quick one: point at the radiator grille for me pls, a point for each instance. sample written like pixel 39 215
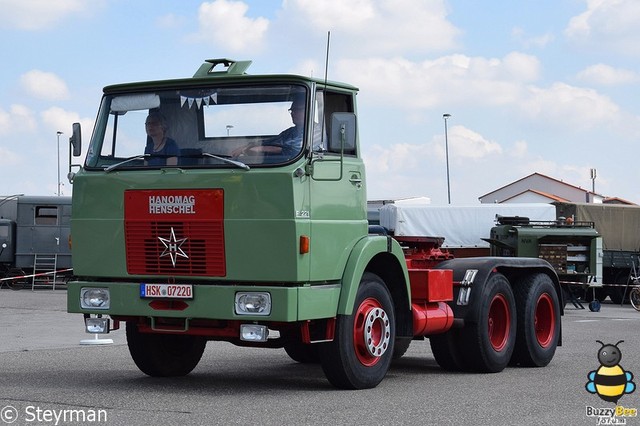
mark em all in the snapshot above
pixel 191 245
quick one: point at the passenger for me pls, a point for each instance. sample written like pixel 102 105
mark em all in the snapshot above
pixel 163 150
pixel 288 143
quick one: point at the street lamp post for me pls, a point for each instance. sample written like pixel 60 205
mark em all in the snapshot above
pixel 446 153
pixel 229 127
pixel 58 133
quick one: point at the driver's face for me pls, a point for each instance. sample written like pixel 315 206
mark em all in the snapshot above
pixel 297 114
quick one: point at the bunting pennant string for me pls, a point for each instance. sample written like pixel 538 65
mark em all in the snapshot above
pixel 207 100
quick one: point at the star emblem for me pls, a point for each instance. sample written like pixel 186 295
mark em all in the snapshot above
pixel 172 247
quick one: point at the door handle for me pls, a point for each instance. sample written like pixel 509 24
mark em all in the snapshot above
pixel 356 180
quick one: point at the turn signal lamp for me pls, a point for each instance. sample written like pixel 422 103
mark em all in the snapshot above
pixel 304 244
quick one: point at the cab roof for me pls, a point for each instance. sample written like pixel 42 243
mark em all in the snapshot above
pixel 227 71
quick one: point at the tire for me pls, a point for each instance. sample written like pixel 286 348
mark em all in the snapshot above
pixel 297 349
pixel 303 353
pixel 17 283
pixel 446 350
pixel 538 318
pixel 634 297
pixel 488 338
pixel 164 355
pixel 362 349
pixel 400 347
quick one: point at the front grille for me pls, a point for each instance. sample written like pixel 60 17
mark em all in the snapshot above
pixel 190 243
pixel 203 247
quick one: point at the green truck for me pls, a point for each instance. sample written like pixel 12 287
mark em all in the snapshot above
pixel 232 207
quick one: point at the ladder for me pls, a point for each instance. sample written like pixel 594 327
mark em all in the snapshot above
pixel 44 271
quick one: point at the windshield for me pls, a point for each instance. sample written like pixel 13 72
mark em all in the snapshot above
pixel 208 127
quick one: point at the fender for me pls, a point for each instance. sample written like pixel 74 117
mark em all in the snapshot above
pixel 511 267
pixel 362 254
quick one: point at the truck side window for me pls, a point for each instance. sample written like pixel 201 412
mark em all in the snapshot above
pixel 46 215
pixel 336 102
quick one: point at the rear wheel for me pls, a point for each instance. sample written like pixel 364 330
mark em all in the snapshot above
pixel 488 338
pixel 538 321
pixel 164 355
pixel 362 349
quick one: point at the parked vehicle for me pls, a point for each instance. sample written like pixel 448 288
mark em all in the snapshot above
pixel 618 226
pixel 260 241
pixel 34 240
pixel 573 248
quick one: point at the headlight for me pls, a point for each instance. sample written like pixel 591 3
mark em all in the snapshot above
pixel 253 303
pixel 95 298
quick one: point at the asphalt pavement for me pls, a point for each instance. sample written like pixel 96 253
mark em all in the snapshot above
pixel 45 374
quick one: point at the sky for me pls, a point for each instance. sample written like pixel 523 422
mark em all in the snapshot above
pixel 546 86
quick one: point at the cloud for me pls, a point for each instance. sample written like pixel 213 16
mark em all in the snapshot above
pixel 33 15
pixel 605 75
pixel 18 119
pixel 58 119
pixel 460 80
pixel 528 41
pixel 393 170
pixel 610 25
pixel 520 149
pixel 224 22
pixel 467 144
pixel 576 107
pixel 445 80
pixel 379 26
pixel 44 85
pixel 8 157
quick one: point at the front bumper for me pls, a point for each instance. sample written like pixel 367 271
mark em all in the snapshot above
pixel 213 301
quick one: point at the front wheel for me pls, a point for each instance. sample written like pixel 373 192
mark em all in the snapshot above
pixel 362 349
pixel 634 297
pixel 538 321
pixel 164 355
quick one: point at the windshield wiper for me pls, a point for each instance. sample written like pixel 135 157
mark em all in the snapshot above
pixel 227 160
pixel 128 160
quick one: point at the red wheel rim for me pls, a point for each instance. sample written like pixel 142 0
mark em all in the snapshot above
pixel 371 332
pixel 499 322
pixel 544 320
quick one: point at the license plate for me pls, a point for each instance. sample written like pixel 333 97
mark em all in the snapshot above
pixel 167 291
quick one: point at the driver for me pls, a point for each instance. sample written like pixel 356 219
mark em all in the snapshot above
pixel 288 143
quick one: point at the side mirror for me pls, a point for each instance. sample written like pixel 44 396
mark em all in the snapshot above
pixel 343 132
pixel 76 140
